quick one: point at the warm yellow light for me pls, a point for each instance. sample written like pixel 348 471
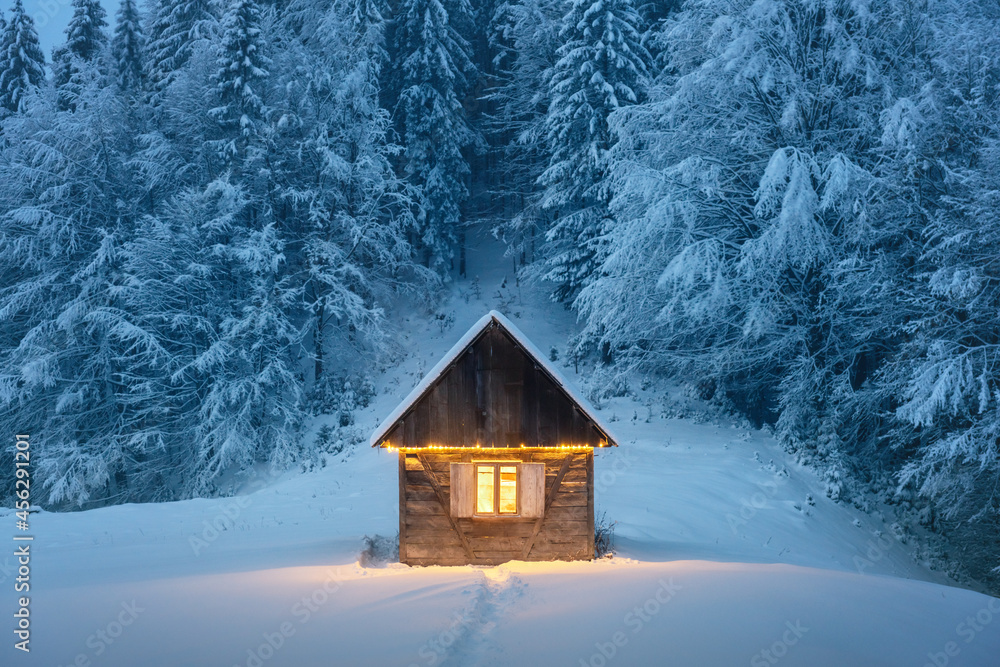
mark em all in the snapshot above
pixel 425 448
pixel 435 447
pixel 484 489
pixel 508 490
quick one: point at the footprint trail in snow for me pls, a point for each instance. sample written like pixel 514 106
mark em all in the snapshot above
pixel 472 645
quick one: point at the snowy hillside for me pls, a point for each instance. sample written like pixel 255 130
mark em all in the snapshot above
pixel 729 553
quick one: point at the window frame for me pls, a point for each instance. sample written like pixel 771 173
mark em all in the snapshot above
pixel 496 465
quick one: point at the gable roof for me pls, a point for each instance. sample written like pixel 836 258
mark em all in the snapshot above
pixel 464 344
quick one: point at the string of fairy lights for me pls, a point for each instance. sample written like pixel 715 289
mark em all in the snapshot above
pixel 431 448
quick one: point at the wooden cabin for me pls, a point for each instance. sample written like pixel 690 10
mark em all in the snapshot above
pixel 496 456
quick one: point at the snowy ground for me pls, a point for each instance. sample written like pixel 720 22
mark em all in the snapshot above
pixel 723 560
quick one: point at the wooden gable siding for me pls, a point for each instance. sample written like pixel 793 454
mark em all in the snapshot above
pixel 428 535
pixel 494 395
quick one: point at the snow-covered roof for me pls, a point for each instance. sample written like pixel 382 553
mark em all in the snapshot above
pixel 470 336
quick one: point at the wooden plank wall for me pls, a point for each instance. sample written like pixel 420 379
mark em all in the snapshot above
pixel 428 535
pixel 494 395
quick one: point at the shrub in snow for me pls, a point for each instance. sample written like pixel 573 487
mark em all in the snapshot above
pixel 379 550
pixel 607 382
pixel 330 440
pixel 604 536
pixel 445 321
pixel 341 395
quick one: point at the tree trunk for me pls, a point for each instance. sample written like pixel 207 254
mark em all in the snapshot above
pixel 318 344
pixel 461 252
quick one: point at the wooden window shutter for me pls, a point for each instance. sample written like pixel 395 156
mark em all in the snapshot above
pixel 463 489
pixel 532 490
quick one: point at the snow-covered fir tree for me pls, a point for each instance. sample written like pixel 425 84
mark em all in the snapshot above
pixel 434 72
pixel 22 63
pixel 67 342
pixel 601 67
pixel 367 22
pixel 943 143
pixel 175 29
pixel 86 34
pixel 78 62
pixel 240 77
pixel 525 37
pixel 338 190
pixel 251 406
pixel 128 47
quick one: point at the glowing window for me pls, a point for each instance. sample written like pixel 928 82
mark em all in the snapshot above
pixel 508 490
pixel 496 489
pixel 484 489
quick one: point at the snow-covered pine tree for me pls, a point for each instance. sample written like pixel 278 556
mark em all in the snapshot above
pixel 127 48
pixel 207 283
pixel 747 185
pixel 602 67
pixel 252 402
pixel 22 63
pixel 337 192
pixel 240 78
pixel 77 62
pixel 367 20
pixel 85 34
pixel 943 143
pixel 176 28
pixel 67 345
pixel 169 295
pixel 434 72
pixel 525 37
